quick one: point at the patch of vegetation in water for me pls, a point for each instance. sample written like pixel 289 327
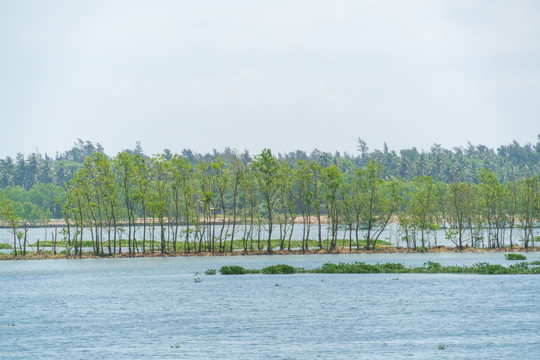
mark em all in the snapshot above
pixel 232 270
pixel 429 267
pixel 281 269
pixel 512 256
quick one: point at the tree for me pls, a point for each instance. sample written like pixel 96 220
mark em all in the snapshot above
pixel 142 193
pixel 182 192
pixel 528 207
pixel 492 207
pixel 9 215
pixel 460 212
pixel 238 170
pixel 158 198
pixel 423 206
pixel 125 165
pixel 107 191
pixel 303 178
pixel 316 180
pixel 370 184
pixel 362 147
pixel 332 190
pixel 221 177
pixel 266 168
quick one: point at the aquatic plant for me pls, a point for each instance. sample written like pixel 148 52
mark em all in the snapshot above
pixel 513 256
pixel 279 269
pixel 232 270
pixel 429 267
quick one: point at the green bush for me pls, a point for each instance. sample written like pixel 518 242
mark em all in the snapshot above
pixel 5 246
pixel 359 268
pixel 279 269
pixel 210 272
pixel 512 256
pixel 433 267
pixel 232 270
pixel 429 267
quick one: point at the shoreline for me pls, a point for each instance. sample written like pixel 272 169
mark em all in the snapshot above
pixel 337 251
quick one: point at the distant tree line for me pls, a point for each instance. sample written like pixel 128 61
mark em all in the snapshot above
pixel 478 196
pixel 508 162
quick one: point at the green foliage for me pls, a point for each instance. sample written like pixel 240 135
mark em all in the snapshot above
pixel 279 269
pixel 210 272
pixel 5 246
pixel 232 270
pixel 388 268
pixel 512 256
pixel 359 268
pixel 215 193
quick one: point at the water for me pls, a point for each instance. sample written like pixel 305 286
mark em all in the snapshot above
pixel 157 308
pixel 391 234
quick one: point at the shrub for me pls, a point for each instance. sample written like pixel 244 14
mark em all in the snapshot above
pixel 279 269
pixel 210 272
pixel 433 267
pixel 512 256
pixel 232 270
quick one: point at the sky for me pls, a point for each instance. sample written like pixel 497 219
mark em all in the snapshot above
pixel 281 74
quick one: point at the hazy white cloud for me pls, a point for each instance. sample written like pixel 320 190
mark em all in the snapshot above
pixel 279 74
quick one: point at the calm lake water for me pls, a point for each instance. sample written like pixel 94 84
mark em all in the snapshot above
pixel 159 308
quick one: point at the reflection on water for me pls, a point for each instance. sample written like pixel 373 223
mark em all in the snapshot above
pixel 154 308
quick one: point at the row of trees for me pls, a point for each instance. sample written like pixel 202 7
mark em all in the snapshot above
pixel 508 162
pixel 209 205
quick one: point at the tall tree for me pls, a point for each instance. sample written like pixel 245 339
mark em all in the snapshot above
pixel 460 212
pixel 125 165
pixel 305 197
pixel 332 190
pixel 424 206
pixel 528 207
pixel 9 215
pixel 266 168
pixel 158 199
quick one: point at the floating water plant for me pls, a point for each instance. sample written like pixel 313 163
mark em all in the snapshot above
pixel 232 270
pixel 429 267
pixel 279 269
pixel 513 256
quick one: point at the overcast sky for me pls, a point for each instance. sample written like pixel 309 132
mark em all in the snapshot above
pixel 281 74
